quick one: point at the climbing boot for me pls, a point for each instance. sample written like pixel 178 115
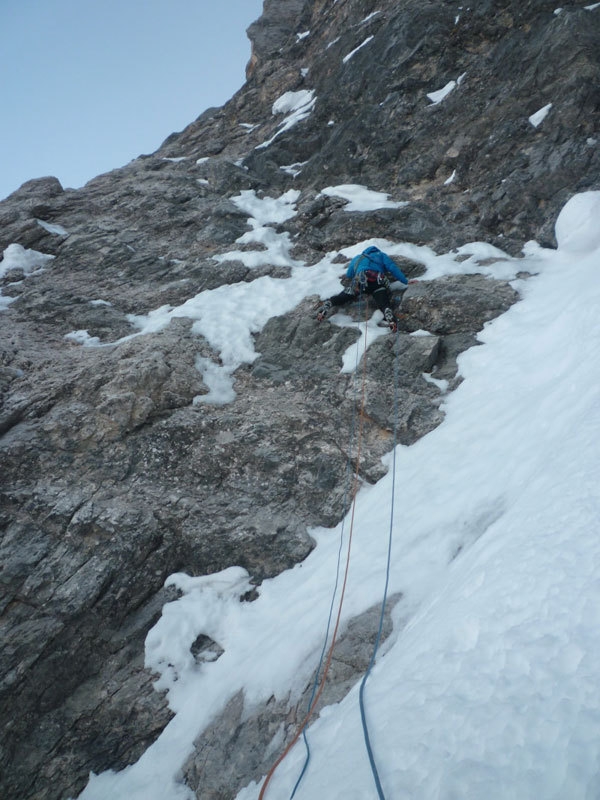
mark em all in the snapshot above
pixel 324 310
pixel 389 320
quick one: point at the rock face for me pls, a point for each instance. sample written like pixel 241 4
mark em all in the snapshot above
pixel 113 476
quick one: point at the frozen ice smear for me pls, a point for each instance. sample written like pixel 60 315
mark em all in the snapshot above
pixel 488 686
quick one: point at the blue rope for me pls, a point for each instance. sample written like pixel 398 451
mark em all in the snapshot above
pixel 337 580
pixel 361 693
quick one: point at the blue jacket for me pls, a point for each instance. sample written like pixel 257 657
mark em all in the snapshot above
pixel 374 258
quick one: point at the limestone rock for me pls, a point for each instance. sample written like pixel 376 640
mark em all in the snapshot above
pixel 114 472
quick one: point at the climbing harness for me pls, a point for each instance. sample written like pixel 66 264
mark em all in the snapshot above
pixel 319 682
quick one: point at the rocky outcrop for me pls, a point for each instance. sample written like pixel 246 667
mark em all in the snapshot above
pixel 115 472
pixel 238 746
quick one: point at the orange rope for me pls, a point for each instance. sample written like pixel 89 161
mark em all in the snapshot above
pixel 318 694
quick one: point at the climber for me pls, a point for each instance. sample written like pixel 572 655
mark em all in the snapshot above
pixel 369 272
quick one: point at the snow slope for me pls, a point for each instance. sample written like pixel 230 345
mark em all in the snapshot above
pixel 489 685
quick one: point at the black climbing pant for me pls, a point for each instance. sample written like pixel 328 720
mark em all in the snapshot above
pixel 380 294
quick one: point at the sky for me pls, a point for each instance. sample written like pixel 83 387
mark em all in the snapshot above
pixel 88 85
pixel 488 685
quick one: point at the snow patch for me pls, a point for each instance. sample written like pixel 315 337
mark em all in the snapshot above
pixel 450 180
pixel 18 257
pixel 369 332
pixel 294 169
pixel 360 198
pixel 356 49
pixel 52 227
pixel 218 380
pixel 440 94
pixel 297 106
pixel 370 17
pixel 577 227
pixel 539 116
pixel 293 101
pixel 83 337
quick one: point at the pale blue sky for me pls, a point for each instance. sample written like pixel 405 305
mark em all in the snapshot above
pixel 87 85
